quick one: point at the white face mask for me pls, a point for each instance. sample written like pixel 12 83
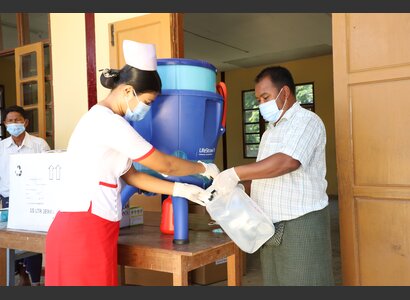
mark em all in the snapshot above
pixel 15 129
pixel 270 111
pixel 139 111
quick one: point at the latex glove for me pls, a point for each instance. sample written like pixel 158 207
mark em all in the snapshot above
pixel 225 182
pixel 191 192
pixel 211 170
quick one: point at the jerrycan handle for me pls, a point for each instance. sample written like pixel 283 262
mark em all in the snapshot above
pixel 221 89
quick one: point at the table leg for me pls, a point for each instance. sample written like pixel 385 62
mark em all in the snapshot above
pixel 121 275
pixel 3 265
pixel 180 278
pixel 11 258
pixel 234 268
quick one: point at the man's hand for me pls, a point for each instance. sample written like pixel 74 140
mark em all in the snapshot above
pixel 225 182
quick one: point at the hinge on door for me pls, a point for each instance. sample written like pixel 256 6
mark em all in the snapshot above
pixel 112 35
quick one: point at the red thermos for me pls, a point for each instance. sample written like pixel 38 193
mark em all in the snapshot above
pixel 167 217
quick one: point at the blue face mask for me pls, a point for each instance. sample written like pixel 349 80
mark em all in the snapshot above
pixel 15 129
pixel 270 111
pixel 139 111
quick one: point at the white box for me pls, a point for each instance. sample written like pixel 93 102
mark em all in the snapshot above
pixel 36 180
pixel 136 215
pixel 125 219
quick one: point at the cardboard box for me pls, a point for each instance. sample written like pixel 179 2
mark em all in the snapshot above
pixel 136 215
pixel 214 272
pixel 36 180
pixel 125 219
pixel 134 276
pixel 148 203
pixel 35 183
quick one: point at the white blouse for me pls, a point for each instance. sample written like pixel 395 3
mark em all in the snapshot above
pixel 102 147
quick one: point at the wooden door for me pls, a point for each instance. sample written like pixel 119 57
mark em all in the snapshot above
pixel 371 57
pixel 162 29
pixel 30 86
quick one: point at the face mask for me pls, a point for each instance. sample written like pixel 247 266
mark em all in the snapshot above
pixel 15 129
pixel 270 111
pixel 139 111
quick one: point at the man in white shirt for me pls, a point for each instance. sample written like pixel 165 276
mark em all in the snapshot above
pixel 288 183
pixel 19 141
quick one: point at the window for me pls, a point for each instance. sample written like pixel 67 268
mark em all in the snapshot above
pixel 253 123
pixel 305 95
pixel 18 30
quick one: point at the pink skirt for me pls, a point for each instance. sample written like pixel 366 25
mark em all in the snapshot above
pixel 81 250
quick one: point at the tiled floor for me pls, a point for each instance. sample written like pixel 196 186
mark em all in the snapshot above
pixel 253 276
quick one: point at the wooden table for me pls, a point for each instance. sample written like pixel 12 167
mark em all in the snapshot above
pixel 144 247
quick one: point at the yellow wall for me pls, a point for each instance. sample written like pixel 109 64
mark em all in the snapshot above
pixel 70 67
pixel 318 70
pixel 69 73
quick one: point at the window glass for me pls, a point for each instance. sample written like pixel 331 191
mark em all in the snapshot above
pixel 30 93
pixel 9 35
pixel 37 27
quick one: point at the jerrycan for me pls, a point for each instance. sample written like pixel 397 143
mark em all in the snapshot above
pixel 167 217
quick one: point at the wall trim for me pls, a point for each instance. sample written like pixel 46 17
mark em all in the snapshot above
pixel 91 60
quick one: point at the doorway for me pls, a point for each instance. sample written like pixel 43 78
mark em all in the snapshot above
pixel 239 45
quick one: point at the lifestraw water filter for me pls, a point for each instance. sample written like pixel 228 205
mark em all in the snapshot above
pixel 241 218
pixel 186 120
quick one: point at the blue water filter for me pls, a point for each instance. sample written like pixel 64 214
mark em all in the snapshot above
pixel 180 207
pixel 185 120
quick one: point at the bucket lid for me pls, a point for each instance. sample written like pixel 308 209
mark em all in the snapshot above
pixel 185 61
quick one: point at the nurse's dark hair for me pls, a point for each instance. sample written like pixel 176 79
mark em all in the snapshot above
pixel 141 81
pixel 279 76
pixel 14 108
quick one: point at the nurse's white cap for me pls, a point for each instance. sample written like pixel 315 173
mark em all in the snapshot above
pixel 139 55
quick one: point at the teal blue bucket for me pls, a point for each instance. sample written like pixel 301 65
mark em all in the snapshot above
pixel 187 74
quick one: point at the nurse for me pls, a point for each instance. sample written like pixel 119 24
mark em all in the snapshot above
pixel 81 244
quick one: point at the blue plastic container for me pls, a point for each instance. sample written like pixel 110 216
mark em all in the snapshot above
pixel 187 74
pixel 185 120
pixel 184 123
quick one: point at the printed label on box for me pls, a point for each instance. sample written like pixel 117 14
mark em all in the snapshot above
pixel 136 215
pixel 36 180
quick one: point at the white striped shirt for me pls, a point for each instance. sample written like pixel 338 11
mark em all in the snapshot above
pixel 30 144
pixel 300 134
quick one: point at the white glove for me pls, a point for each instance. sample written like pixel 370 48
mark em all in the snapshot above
pixel 211 170
pixel 225 182
pixel 191 192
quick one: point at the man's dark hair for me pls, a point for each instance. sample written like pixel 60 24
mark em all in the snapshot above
pixel 279 76
pixel 15 108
